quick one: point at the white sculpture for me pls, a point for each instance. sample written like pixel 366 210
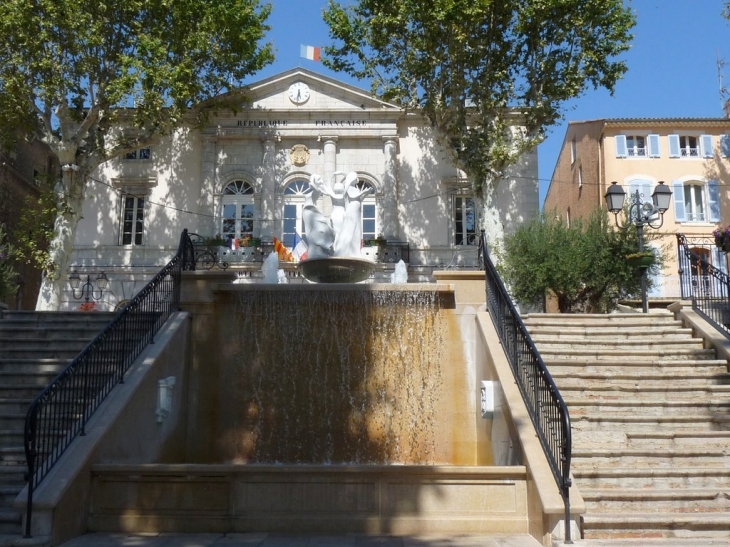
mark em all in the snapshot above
pixel 341 235
pixel 318 230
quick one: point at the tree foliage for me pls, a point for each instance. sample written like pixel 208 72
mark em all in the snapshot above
pixel 464 63
pixel 8 275
pixel 71 72
pixel 583 265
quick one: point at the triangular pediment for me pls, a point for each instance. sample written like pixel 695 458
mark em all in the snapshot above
pixel 312 91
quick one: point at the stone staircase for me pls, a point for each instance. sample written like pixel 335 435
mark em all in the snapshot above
pixel 650 411
pixel 34 348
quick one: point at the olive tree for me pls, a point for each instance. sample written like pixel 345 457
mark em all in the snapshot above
pixel 478 68
pixel 72 71
pixel 584 265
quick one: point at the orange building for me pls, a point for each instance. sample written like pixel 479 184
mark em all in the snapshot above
pixel 691 156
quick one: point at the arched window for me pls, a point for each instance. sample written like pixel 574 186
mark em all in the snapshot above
pixel 369 216
pixel 238 211
pixel 294 195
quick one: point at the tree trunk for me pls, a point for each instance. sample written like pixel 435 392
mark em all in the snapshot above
pixel 491 221
pixel 69 200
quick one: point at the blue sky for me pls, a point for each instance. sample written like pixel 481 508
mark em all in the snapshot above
pixel 673 68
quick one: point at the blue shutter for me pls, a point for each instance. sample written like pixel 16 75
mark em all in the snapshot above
pixel 725 146
pixel 713 200
pixel 718 260
pixel 706 144
pixel 620 143
pixel 678 199
pixel 673 146
pixel 654 151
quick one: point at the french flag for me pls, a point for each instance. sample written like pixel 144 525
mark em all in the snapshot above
pixel 310 52
pixel 299 249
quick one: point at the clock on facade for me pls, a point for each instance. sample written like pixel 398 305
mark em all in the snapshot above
pixel 299 92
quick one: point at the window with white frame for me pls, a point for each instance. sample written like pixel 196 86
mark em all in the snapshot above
pixel 294 198
pixel 141 154
pixel 369 216
pixel 690 146
pixel 696 201
pixel 637 146
pixel 464 220
pixel 238 211
pixel 133 213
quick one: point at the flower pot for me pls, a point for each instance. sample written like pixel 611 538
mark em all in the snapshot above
pixel 643 261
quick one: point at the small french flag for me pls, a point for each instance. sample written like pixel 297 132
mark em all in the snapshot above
pixel 310 52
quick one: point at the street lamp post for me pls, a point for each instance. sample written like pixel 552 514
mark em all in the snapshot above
pixel 87 289
pixel 641 213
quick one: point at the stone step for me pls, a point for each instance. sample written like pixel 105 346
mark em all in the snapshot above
pixel 572 367
pixel 623 320
pixel 669 382
pixel 652 525
pixel 679 438
pixel 702 456
pixel 34 333
pixel 624 422
pixel 43 344
pixel 12 475
pixel 10 521
pixel 621 500
pixel 8 494
pixel 12 455
pixel 600 355
pixel 50 317
pixel 28 365
pixel 631 406
pixel 693 391
pixel 14 406
pixel 551 344
pixel 585 434
pixel 609 332
pixel 650 477
pixel 18 540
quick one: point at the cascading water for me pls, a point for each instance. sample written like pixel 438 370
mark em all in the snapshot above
pixel 346 376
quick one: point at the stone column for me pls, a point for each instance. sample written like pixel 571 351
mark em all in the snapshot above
pixel 267 214
pixel 389 226
pixel 330 166
pixel 206 203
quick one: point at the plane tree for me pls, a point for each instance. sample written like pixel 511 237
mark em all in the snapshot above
pixel 72 72
pixel 491 76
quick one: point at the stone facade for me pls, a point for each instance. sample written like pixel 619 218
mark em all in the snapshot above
pixel 270 146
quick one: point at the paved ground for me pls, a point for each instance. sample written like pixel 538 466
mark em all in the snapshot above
pixel 281 540
pixel 356 540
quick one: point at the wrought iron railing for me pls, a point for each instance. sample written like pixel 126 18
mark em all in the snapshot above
pixel 544 403
pixel 61 411
pixel 706 285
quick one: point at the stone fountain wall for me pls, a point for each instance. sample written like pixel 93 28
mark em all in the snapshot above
pixel 359 374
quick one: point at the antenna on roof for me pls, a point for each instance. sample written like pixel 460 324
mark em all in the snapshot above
pixel 724 94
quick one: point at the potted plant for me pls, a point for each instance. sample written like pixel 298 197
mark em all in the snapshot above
pixel 642 259
pixel 722 238
pixel 215 241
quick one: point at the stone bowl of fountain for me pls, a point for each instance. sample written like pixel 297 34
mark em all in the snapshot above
pixel 337 269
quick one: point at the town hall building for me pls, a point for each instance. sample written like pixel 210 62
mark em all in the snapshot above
pixel 242 179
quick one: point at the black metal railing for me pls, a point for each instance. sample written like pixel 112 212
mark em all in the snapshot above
pixel 706 285
pixel 544 403
pixel 60 412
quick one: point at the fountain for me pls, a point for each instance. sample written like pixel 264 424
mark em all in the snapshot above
pixel 334 243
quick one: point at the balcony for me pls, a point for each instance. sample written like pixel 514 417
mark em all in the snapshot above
pixel 210 252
